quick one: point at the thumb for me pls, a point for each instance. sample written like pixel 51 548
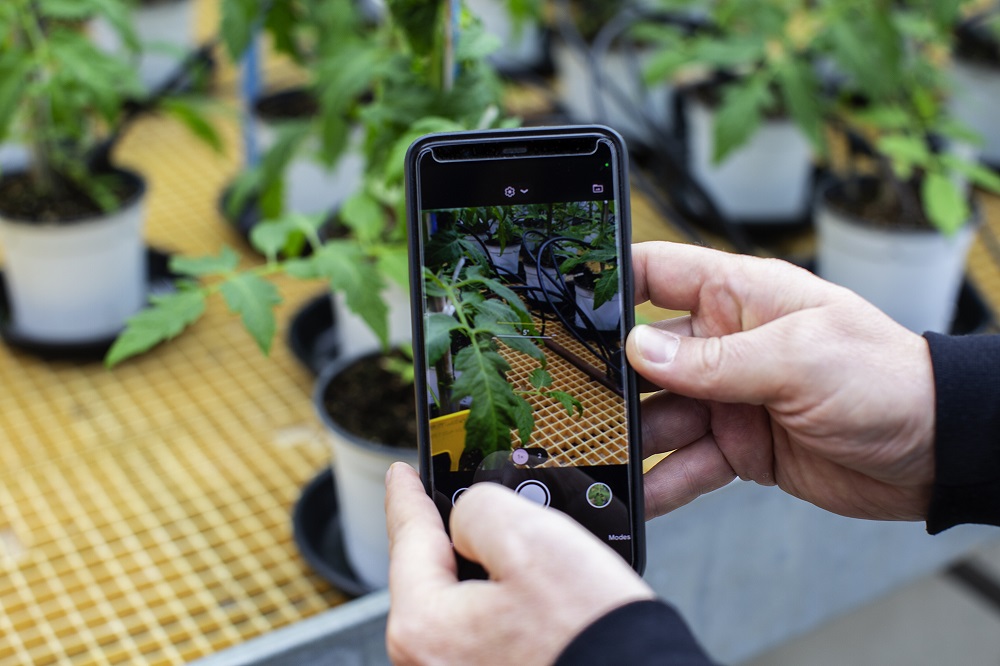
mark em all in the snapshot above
pixel 745 367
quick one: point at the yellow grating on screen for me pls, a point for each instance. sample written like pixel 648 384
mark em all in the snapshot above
pixel 598 437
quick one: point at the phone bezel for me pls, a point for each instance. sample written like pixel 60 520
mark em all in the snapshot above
pixel 534 137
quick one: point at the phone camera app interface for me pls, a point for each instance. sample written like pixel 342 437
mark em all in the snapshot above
pixel 523 353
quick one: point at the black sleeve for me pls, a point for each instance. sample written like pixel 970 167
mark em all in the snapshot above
pixel 967 431
pixel 640 633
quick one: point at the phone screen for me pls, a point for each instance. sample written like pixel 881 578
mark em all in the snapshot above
pixel 518 253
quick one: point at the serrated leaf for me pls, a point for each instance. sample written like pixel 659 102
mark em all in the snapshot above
pixel 437 335
pixel 166 318
pixel 803 98
pixel 237 25
pixel 225 262
pixel 740 116
pixel 364 216
pixel 524 419
pixel 394 263
pixel 482 377
pixel 196 122
pixel 540 378
pixel 354 274
pixel 904 152
pixel 254 299
pixel 273 236
pixel 568 402
pixel 606 288
pixel 946 208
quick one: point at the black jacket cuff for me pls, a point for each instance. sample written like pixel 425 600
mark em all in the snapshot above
pixel 640 633
pixel 967 431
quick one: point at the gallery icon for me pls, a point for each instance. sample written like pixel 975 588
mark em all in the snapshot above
pixel 509 191
pixel 599 495
pixel 598 188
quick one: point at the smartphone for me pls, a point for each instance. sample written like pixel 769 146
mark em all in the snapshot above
pixel 522 298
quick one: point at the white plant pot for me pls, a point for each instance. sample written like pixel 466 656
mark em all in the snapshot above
pixel 310 186
pixel 552 286
pixel 13 157
pixel 166 35
pixel 357 339
pixel 576 87
pixel 913 276
pixel 79 281
pixel 508 259
pixel 521 46
pixel 976 92
pixel 767 179
pixel 359 468
pixel 605 318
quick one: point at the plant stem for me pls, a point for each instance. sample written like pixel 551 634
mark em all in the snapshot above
pixel 43 144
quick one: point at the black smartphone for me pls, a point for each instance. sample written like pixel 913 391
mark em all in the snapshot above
pixel 522 298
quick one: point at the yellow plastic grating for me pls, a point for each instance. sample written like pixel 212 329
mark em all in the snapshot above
pixel 598 437
pixel 145 512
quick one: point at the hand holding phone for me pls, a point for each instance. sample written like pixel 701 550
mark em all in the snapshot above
pixel 521 295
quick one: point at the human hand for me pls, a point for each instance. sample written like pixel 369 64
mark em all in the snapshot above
pixel 782 378
pixel 549 578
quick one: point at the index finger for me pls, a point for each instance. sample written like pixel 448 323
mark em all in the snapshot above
pixel 677 276
pixel 420 552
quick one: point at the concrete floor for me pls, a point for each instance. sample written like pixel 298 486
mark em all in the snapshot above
pixel 934 621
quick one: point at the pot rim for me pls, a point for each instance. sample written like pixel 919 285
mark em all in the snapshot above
pixel 825 189
pixel 132 201
pixel 325 378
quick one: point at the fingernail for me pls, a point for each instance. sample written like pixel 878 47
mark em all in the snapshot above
pixel 656 346
pixel 388 474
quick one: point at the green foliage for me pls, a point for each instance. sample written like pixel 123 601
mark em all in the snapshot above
pixel 390 80
pixel 165 319
pixel 487 315
pixel 763 52
pixel 888 61
pixel 254 299
pixel 61 96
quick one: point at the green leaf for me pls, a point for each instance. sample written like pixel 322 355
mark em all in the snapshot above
pixel 524 419
pixel 272 236
pixel 540 378
pixel 980 175
pixel 437 335
pixel 226 262
pixel 606 287
pixel 905 152
pixel 803 98
pixel 166 318
pixel 254 299
pixel 190 115
pixel 239 19
pixel 482 377
pixel 740 115
pixel 946 207
pixel 568 402
pixel 474 44
pixel 418 20
pixel 353 273
pixel 364 216
pixel 394 263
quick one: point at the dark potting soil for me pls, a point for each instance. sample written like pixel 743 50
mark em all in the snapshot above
pixel 295 104
pixel 975 43
pixel 373 403
pixel 864 203
pixel 21 200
